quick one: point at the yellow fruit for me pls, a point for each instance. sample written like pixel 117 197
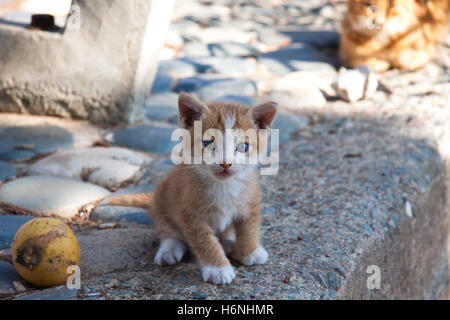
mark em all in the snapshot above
pixel 42 250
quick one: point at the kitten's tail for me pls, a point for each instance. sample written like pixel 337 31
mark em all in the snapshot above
pixel 140 200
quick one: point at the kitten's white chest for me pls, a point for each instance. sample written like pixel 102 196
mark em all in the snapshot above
pixel 225 196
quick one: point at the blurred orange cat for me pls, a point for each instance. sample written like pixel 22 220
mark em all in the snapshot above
pixel 384 34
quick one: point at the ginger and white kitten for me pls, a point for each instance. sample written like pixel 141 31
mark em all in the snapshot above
pixel 384 34
pixel 212 209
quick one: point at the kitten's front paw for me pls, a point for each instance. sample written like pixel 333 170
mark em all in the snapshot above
pixel 258 256
pixel 218 275
pixel 170 252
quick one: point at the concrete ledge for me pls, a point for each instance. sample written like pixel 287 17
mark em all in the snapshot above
pixel 415 254
pixel 362 195
pixel 101 70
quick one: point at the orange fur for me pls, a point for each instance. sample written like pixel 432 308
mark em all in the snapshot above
pixel 139 200
pixel 196 206
pixel 398 34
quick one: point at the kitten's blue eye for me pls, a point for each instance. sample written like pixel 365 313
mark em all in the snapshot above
pixel 209 144
pixel 242 147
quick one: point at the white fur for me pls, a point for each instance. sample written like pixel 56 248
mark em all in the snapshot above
pixel 229 121
pixel 225 194
pixel 170 252
pixel 218 275
pixel 258 256
pixel 394 26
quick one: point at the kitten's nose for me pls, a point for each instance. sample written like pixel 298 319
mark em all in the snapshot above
pixel 225 165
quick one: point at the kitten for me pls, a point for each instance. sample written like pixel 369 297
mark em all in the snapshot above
pixel 384 34
pixel 213 209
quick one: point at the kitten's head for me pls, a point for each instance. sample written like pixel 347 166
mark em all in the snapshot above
pixel 237 151
pixel 367 16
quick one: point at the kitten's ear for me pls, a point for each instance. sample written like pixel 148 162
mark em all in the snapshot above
pixel 263 114
pixel 191 109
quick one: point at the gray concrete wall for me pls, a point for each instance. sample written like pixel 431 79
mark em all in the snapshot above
pixel 101 71
pixel 414 255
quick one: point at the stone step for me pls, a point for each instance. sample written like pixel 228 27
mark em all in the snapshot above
pixel 360 199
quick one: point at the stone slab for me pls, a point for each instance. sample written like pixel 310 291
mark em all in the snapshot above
pixel 50 196
pixel 7 171
pixel 22 143
pixel 9 224
pixel 296 57
pixel 109 167
pixel 148 138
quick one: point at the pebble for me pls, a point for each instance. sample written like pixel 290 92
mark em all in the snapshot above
pixel 356 84
pixel 327 11
pixel 269 210
pixel 288 124
pixel 148 138
pixel 22 143
pixel 108 225
pixel 7 171
pixel 50 196
pixel 18 286
pixel 113 283
pixel 408 209
pixel 109 167
pixel 9 224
